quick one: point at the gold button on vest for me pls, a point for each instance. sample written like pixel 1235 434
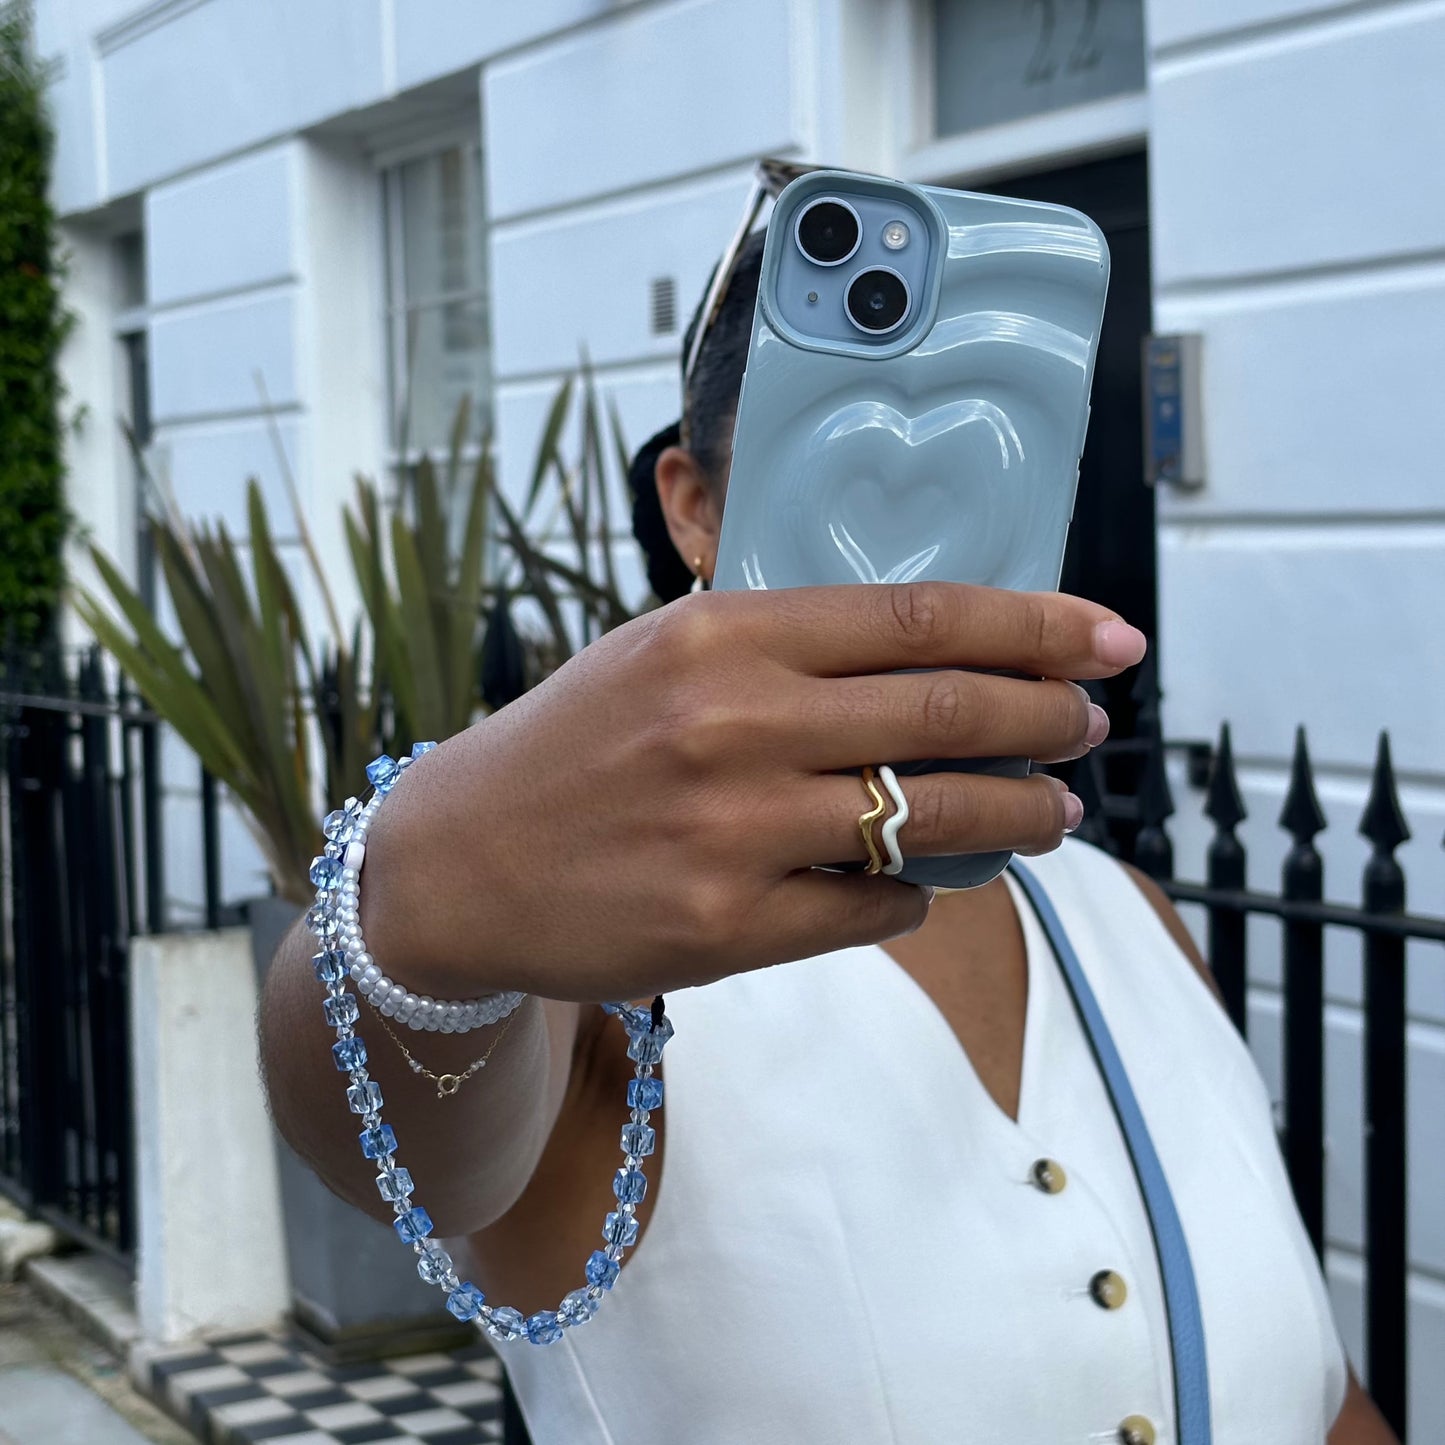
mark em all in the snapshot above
pixel 1048 1175
pixel 1108 1289
pixel 1136 1430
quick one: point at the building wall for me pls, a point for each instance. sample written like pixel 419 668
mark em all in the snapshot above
pixel 1295 224
pixel 1296 228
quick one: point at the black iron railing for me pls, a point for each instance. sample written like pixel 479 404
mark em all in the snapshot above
pixel 1133 825
pixel 82 859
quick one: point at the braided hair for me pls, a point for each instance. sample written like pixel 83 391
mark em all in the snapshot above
pixel 710 405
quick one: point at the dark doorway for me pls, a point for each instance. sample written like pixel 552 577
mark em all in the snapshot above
pixel 1111 553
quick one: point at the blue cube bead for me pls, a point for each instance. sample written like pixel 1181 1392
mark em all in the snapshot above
pixel 364 1098
pixel 378 1141
pixel 543 1328
pixel 465 1302
pixel 638 1139
pixel 330 965
pixel 601 1270
pixel 506 1323
pixel 644 1093
pixel 342 1010
pixel 325 872
pixel 419 750
pixel 382 773
pixel 349 1054
pixel 629 1185
pixel 413 1226
pixel 620 1229
pixel 577 1308
pixel 393 1184
pixel 434 1264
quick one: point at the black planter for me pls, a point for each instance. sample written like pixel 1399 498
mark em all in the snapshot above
pixel 354 1287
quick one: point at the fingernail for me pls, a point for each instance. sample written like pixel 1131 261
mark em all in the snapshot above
pixel 1118 644
pixel 1098 725
pixel 1073 812
pixel 928 895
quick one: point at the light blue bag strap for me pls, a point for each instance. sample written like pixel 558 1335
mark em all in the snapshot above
pixel 1181 1295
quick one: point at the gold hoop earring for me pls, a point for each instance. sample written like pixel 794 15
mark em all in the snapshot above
pixel 698 585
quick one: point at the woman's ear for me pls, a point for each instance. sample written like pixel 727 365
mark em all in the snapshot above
pixel 692 509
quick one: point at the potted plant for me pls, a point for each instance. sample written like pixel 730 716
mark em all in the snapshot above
pixel 287 724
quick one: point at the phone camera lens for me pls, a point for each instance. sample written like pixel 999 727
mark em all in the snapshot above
pixel 877 300
pixel 827 232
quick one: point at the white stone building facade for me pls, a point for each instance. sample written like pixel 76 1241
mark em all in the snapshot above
pixel 278 209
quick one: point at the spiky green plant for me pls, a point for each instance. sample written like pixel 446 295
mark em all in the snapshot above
pixel 282 722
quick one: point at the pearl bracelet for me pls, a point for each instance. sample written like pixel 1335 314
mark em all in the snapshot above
pixel 338 869
pixel 333 921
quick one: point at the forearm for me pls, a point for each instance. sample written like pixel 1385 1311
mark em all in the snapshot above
pixel 470 1153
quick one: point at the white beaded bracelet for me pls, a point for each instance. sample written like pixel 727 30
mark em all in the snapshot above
pixel 347 829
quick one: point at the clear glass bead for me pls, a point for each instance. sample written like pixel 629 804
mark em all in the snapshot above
pixel 413 1225
pixel 349 1054
pixel 393 1184
pixel 433 1263
pixel 382 773
pixel 644 1093
pixel 377 1142
pixel 638 1140
pixel 329 965
pixel 321 920
pixel 364 1098
pixel 620 1228
pixel 465 1302
pixel 325 872
pixel 543 1328
pixel 577 1308
pixel 646 1046
pixel 337 825
pixel 506 1323
pixel 341 1010
pixel 630 1186
pixel 601 1269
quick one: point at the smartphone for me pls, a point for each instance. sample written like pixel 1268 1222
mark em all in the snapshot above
pixel 915 403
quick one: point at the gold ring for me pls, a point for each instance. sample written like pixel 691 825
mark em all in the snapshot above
pixel 867 820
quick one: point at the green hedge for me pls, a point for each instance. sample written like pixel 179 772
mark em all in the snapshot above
pixel 33 323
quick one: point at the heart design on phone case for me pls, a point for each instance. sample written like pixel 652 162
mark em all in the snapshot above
pixel 890 516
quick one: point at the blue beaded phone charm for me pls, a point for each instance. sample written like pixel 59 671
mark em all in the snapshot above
pixel 337 876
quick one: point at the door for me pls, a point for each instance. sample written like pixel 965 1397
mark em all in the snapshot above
pixel 1111 552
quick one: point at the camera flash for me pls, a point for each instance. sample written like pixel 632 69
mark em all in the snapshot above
pixel 895 235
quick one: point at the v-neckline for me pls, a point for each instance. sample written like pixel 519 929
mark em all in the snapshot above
pixel 1035 1011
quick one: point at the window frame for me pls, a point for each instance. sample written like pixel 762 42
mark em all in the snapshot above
pixel 397 308
pixel 1049 139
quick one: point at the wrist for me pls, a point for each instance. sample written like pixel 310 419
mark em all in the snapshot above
pixel 416 931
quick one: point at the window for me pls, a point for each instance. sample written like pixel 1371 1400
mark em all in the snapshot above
pixel 1002 60
pixel 436 294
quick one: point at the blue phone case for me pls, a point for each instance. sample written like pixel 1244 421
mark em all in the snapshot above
pixel 947 450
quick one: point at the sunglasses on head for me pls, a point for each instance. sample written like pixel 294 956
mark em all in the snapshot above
pixel 770 177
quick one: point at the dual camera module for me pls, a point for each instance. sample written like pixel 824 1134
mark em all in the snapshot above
pixel 828 232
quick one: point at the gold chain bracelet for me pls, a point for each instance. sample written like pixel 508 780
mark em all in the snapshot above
pixel 447 1084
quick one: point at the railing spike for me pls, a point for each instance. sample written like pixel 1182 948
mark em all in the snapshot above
pixel 1224 805
pixel 1085 784
pixel 1301 816
pixel 1145 692
pixel 1383 821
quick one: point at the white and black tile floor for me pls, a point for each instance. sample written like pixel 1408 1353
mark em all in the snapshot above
pixel 248 1389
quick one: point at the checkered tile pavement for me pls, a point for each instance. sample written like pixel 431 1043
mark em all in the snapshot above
pixel 245 1390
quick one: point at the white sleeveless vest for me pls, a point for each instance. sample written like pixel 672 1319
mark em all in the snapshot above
pixel 848 1245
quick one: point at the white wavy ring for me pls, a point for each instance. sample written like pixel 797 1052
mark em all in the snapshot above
pixel 889 779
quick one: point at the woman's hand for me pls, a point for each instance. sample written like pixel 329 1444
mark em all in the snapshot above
pixel 650 817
